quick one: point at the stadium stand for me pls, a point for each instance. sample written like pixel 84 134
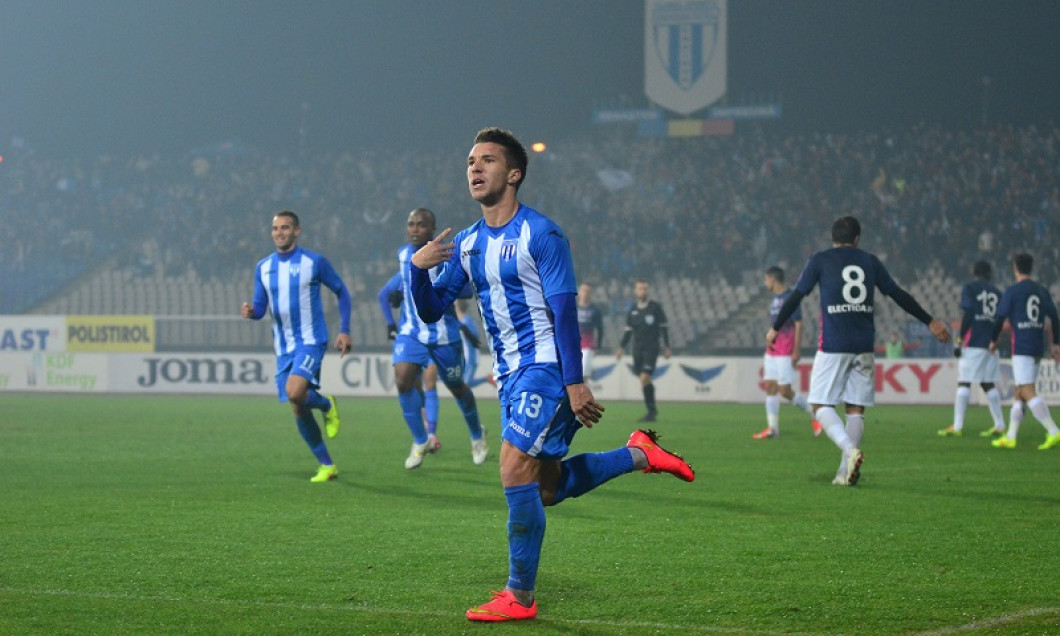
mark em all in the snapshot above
pixel 701 218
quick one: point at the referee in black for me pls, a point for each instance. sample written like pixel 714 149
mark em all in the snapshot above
pixel 645 324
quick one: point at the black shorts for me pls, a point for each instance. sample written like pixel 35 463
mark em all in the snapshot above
pixel 644 359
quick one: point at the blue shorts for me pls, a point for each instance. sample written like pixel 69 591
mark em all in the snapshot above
pixel 303 361
pixel 449 358
pixel 536 416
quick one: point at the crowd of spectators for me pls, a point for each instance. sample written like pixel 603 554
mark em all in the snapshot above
pixel 632 207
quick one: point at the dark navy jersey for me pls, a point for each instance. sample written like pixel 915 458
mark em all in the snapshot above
pixel 979 300
pixel 1026 305
pixel 848 278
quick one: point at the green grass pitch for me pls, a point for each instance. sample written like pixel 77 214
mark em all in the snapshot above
pixel 194 515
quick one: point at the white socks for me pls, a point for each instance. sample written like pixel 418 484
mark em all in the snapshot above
pixel 799 400
pixel 773 411
pixel 1041 413
pixel 1015 416
pixel 993 400
pixel 960 406
pixel 833 427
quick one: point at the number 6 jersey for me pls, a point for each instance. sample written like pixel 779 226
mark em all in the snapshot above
pixel 1026 305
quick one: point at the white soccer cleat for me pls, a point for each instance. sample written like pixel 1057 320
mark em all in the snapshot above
pixel 415 457
pixel 840 480
pixel 479 450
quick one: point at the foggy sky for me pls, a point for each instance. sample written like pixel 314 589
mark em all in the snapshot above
pixel 139 76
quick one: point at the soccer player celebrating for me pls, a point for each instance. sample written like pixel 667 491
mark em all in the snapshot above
pixel 645 324
pixel 417 343
pixel 844 368
pixel 591 327
pixel 287 283
pixel 519 263
pixel 394 297
pixel 978 363
pixel 1025 305
pixel 778 364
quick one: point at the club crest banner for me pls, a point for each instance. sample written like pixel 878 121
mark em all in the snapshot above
pixel 685 61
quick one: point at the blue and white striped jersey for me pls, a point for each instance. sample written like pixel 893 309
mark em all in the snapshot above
pixel 513 270
pixel 445 331
pixel 289 284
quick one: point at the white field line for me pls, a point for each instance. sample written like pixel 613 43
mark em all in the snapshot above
pixel 366 609
pixel 997 621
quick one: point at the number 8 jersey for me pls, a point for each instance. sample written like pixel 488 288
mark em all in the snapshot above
pixel 848 278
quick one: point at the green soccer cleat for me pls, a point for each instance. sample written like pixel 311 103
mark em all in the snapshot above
pixel 1003 442
pixel 325 473
pixel 949 431
pixel 992 432
pixel 1051 441
pixel 331 418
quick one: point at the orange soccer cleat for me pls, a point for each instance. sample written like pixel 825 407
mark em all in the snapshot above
pixel 503 607
pixel 817 428
pixel 660 460
pixel 765 433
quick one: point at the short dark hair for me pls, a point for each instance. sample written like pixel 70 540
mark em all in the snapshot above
pixel 845 230
pixel 294 217
pixel 426 212
pixel 776 272
pixel 1024 263
pixel 514 151
pixel 982 270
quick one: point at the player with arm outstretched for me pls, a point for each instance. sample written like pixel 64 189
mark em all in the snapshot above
pixel 519 263
pixel 1026 305
pixel 844 369
pixel 287 285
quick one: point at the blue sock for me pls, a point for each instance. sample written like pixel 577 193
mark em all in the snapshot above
pixel 581 473
pixel 317 401
pixel 526 530
pixel 307 426
pixel 470 410
pixel 411 403
pixel 430 404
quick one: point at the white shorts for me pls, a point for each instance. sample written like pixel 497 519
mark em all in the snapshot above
pixel 1024 370
pixel 778 369
pixel 978 365
pixel 843 377
pixel 587 363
